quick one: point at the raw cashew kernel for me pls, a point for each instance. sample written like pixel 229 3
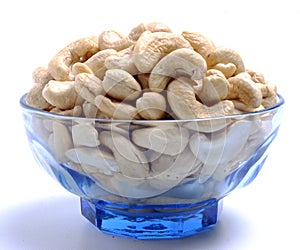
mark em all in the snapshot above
pixel 225 56
pixel 121 85
pixel 78 51
pixel 132 162
pixel 60 94
pixel 88 86
pixel 183 102
pixel 157 27
pixel 200 43
pixel 111 39
pixel 220 148
pixel 214 89
pixel 181 62
pixel 80 67
pixel 165 140
pixel 151 47
pixel 245 90
pixel 124 62
pixel 85 134
pixel 96 62
pixel 116 110
pixel 41 75
pixel 227 69
pixel 151 106
pixel 35 98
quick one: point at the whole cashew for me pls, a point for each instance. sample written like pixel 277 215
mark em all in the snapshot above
pixel 124 62
pixel 60 94
pixel 245 90
pixel 85 134
pixel 97 61
pixel 151 106
pixel 225 56
pixel 88 86
pixel 214 88
pixel 35 98
pixel 93 160
pixel 165 140
pixel 116 110
pixel 132 162
pixel 220 148
pixel 151 47
pixel 182 100
pixel 158 27
pixel 41 75
pixel 180 62
pixel 78 51
pixel 200 43
pixel 111 39
pixel 80 67
pixel 121 85
pixel 227 69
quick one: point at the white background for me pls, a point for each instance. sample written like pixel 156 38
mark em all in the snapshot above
pixel 37 213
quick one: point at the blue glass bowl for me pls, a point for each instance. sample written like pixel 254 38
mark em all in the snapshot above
pixel 152 179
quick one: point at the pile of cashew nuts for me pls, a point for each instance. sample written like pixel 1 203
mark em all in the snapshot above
pixel 151 74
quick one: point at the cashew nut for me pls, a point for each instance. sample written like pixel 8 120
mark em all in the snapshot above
pixel 35 98
pixel 225 56
pixel 180 62
pixel 85 134
pixel 124 62
pixel 93 160
pixel 165 140
pixel 80 67
pixel 214 89
pixel 121 85
pixel 111 39
pixel 151 106
pixel 132 162
pixel 78 51
pixel 245 90
pixel 116 110
pixel 220 148
pixel 41 75
pixel 157 27
pixel 88 86
pixel 182 100
pixel 227 69
pixel 200 43
pixel 151 47
pixel 60 94
pixel 96 62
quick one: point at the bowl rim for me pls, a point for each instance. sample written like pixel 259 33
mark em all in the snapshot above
pixel 25 106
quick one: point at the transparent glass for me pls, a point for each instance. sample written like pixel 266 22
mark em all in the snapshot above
pixel 152 179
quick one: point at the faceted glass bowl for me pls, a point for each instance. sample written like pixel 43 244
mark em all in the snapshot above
pixel 152 179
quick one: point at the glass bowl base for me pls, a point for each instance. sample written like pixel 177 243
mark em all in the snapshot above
pixel 152 221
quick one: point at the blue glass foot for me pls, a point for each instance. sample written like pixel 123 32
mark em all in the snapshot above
pixel 152 221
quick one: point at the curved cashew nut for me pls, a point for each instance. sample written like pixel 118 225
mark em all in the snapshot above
pixel 225 55
pixel 124 62
pixel 121 85
pixel 220 148
pixel 245 90
pixel 88 86
pixel 78 51
pixel 164 140
pixel 182 100
pixel 111 39
pixel 41 75
pixel 151 47
pixel 214 88
pixel 96 62
pixel 116 110
pixel 35 99
pixel 180 62
pixel 158 27
pixel 200 43
pixel 60 94
pixel 132 162
pixel 151 106
pixel 227 69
